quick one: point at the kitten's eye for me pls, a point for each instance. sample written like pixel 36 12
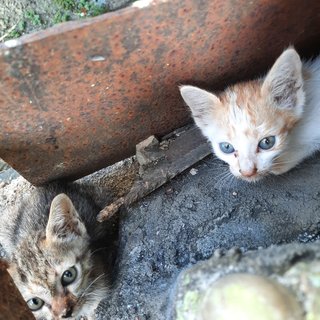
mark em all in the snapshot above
pixel 267 143
pixel 35 304
pixel 226 147
pixel 69 276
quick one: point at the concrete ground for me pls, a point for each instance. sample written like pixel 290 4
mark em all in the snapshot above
pixel 194 217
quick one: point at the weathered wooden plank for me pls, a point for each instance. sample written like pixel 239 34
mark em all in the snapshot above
pixel 159 165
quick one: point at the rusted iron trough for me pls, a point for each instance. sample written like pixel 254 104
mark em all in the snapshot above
pixel 12 305
pixel 81 95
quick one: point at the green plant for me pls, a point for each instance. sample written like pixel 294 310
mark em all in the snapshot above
pixel 33 17
pixel 17 31
pixel 86 8
pixel 66 4
pixel 60 17
pixel 97 10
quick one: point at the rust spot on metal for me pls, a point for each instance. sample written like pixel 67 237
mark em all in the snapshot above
pixel 12 305
pixel 80 96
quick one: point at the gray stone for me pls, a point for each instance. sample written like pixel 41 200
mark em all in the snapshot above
pixel 304 279
pixel 240 296
pixel 280 286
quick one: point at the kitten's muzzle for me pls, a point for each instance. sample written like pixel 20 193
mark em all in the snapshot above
pixel 63 306
pixel 248 173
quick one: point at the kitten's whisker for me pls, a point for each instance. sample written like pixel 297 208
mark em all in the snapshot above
pixel 222 184
pixel 227 173
pixel 231 179
pixel 94 297
pixel 284 161
pixel 284 178
pixel 223 179
pixel 97 250
pixel 226 180
pixel 90 285
pixel 220 175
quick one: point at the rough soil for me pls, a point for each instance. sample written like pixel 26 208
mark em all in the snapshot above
pixel 191 217
pixel 19 17
pixel 194 217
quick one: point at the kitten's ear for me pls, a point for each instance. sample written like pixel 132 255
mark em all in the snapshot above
pixel 201 103
pixel 284 83
pixel 64 223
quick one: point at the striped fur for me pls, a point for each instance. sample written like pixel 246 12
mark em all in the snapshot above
pixel 51 231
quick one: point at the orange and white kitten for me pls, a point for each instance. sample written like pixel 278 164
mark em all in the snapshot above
pixel 265 126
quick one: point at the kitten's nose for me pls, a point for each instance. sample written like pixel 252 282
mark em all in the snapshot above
pixel 63 306
pixel 68 313
pixel 248 173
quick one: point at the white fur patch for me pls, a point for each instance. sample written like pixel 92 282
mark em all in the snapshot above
pixel 286 104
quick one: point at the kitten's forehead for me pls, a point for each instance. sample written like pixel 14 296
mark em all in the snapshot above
pixel 245 103
pixel 245 92
pixel 246 110
pixel 35 259
pixel 31 260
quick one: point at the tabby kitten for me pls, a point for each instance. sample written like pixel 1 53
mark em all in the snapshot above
pixel 265 126
pixel 56 252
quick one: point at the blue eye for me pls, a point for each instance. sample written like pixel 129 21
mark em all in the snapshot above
pixel 226 147
pixel 267 143
pixel 69 276
pixel 35 304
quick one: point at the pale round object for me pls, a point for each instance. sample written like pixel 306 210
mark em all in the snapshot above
pixel 249 297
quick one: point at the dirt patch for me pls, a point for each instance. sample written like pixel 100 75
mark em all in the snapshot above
pixel 19 17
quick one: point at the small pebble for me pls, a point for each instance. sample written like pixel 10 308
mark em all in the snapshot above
pixel 193 171
pixel 169 191
pixel 164 145
pixel 131 309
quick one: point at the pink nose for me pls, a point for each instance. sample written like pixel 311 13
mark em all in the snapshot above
pixel 249 173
